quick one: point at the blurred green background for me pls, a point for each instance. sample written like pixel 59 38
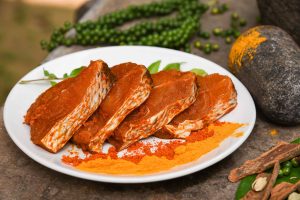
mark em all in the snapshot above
pixel 22 26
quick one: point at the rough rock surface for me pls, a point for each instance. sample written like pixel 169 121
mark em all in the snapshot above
pixel 23 178
pixel 282 13
pixel 273 76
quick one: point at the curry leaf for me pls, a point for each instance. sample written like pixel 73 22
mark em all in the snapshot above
pixel 153 68
pixel 46 73
pixel 175 66
pixel 244 186
pixel 65 75
pixel 49 75
pixel 76 72
pixel 199 72
pixel 297 141
pixel 53 83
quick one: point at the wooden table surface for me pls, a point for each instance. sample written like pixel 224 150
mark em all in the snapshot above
pixel 23 178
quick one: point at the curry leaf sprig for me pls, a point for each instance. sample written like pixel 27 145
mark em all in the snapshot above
pixel 52 78
pixel 154 68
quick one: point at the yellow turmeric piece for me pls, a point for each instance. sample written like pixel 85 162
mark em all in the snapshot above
pixel 244 48
pixel 184 153
pixel 273 132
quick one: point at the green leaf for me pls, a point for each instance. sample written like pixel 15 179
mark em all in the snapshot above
pixel 53 83
pixel 175 66
pixel 293 177
pixel 199 72
pixel 76 71
pixel 244 186
pixel 297 141
pixel 153 68
pixel 49 75
pixel 52 76
pixel 65 75
pixel 46 73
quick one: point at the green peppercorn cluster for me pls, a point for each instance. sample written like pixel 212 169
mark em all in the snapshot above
pixel 179 22
pixel 286 167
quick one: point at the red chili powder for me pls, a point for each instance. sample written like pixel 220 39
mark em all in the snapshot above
pixel 140 149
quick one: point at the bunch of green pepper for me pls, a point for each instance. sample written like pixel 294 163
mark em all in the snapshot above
pixel 172 32
pixel 179 22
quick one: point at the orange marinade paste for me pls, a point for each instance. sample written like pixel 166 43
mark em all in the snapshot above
pixel 145 158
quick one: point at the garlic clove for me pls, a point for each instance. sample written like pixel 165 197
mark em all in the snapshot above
pixel 294 196
pixel 259 184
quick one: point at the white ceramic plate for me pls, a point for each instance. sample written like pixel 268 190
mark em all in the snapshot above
pixel 22 96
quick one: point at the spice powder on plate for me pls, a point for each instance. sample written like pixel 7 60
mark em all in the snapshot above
pixel 145 158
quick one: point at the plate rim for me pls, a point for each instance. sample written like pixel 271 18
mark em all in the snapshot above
pixel 139 178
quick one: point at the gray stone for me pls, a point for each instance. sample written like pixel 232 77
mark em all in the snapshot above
pixel 273 76
pixel 282 13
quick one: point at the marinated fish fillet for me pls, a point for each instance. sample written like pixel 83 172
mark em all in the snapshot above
pixel 216 97
pixel 60 111
pixel 131 89
pixel 172 93
pixel 281 152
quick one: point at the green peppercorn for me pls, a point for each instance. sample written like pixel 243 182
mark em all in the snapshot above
pixel 215 47
pixel 208 45
pixel 286 171
pixel 179 30
pixel 224 7
pixel 234 16
pixel 205 7
pixel 287 164
pixel 197 44
pixel 207 48
pixel 67 25
pixel 280 174
pixel 295 162
pixel 68 42
pixel 205 35
pixel 234 24
pixel 187 49
pixel 228 40
pixel 84 41
pixel 52 46
pixel 243 22
pixel 217 31
pixel 236 33
pixel 228 32
pixel 215 11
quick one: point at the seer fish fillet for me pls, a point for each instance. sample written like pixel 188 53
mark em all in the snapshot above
pixel 216 97
pixel 60 111
pixel 131 89
pixel 172 93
